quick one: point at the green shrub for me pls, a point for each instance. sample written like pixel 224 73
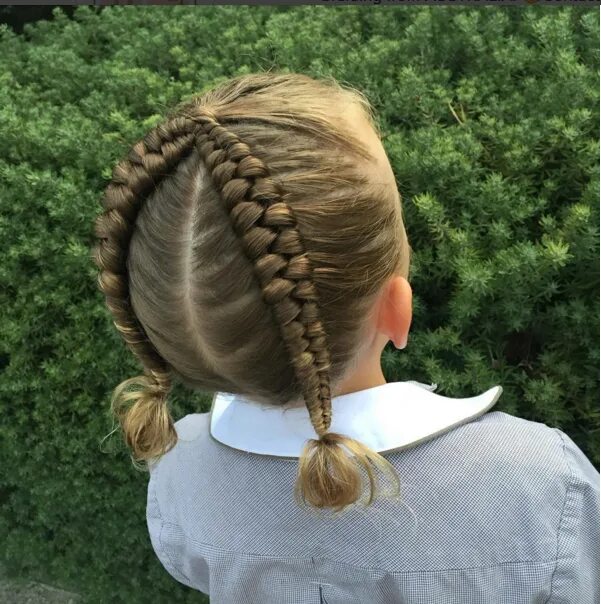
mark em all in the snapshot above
pixel 490 118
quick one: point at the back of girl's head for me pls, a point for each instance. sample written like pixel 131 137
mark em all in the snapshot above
pixel 243 243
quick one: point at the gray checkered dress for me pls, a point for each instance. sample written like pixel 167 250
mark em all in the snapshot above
pixel 500 510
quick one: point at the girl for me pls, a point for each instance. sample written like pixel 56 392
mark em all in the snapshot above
pixel 253 246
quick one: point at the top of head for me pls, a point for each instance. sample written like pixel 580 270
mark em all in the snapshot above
pixel 254 261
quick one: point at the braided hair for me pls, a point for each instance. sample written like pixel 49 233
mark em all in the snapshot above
pixel 270 237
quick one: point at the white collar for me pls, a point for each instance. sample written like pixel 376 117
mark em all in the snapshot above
pixel 388 417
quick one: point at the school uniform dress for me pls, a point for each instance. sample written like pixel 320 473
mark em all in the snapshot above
pixel 494 509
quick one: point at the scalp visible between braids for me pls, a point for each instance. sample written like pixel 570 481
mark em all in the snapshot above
pixel 268 233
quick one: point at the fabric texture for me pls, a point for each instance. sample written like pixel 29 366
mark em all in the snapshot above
pixel 499 510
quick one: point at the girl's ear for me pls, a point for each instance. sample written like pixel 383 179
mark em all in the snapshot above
pixel 395 313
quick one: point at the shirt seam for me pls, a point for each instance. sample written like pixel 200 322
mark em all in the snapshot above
pixel 298 558
pixel 562 516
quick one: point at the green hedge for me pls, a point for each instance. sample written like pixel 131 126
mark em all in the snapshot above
pixel 490 118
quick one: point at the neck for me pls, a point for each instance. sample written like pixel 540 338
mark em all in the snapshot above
pixel 368 376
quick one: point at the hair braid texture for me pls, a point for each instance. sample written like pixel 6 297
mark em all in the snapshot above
pixel 147 425
pixel 270 237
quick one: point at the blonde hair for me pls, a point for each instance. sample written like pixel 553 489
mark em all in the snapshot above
pixel 242 239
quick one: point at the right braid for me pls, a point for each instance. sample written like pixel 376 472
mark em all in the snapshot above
pixel 270 237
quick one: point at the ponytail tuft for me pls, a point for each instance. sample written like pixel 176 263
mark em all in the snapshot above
pixel 147 425
pixel 330 478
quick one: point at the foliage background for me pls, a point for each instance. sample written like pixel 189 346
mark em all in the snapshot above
pixel 490 119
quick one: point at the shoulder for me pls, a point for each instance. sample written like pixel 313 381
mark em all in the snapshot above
pixel 191 426
pixel 499 426
pixel 533 450
pixel 582 471
pixel 164 471
pixel 501 451
pixel 514 439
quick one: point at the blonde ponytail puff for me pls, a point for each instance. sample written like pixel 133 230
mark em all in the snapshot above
pixel 147 425
pixel 329 477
